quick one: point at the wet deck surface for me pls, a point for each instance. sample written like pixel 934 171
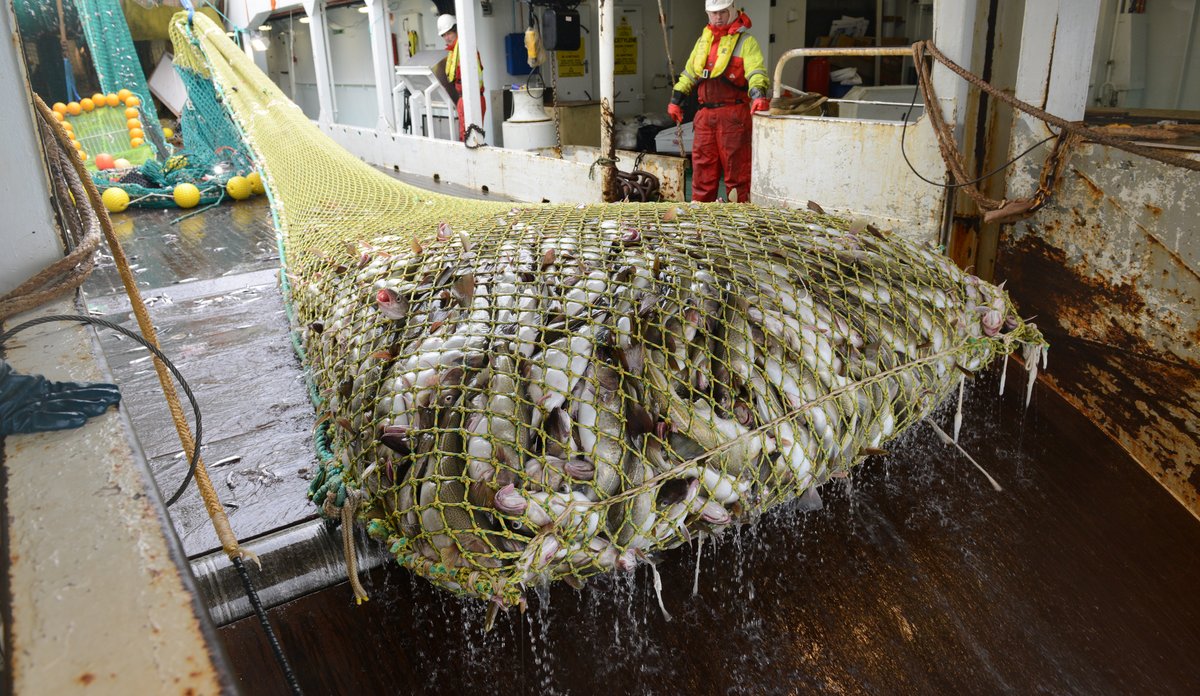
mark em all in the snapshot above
pixel 1078 578
pixel 210 280
pixel 917 577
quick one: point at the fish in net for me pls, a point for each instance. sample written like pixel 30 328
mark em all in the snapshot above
pixel 515 395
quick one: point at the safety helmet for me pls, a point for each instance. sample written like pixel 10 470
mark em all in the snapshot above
pixel 717 5
pixel 446 22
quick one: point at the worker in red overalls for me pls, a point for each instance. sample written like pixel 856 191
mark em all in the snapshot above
pixel 447 26
pixel 727 64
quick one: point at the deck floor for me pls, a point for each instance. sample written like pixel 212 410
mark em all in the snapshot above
pixel 916 576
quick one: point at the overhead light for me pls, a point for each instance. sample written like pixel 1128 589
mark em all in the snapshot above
pixel 258 44
pixel 364 9
pixel 305 20
pixel 264 27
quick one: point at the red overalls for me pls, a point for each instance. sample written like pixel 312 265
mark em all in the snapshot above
pixel 457 80
pixel 722 131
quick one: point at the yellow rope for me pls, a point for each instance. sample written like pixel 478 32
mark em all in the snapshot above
pixel 208 494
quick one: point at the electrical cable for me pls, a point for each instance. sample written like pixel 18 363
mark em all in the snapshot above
pixel 997 170
pixel 247 582
pixel 195 456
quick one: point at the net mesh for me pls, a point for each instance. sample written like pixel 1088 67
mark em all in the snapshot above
pixel 213 151
pixel 522 394
pixel 114 56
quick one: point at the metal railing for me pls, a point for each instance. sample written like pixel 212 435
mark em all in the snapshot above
pixel 869 51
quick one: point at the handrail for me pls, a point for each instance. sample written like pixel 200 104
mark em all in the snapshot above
pixel 777 88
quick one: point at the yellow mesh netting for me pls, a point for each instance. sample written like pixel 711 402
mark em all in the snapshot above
pixel 524 394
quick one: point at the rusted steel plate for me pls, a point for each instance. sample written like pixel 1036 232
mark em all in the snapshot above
pixel 1112 262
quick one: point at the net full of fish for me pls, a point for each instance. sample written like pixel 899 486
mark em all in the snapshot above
pixel 515 396
pixel 519 403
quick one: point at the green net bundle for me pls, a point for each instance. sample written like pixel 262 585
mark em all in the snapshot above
pixel 519 395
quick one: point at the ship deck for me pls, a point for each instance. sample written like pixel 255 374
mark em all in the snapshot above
pixel 915 577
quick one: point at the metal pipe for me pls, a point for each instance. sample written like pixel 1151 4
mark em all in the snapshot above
pixel 464 14
pixel 607 58
pixel 381 61
pixel 319 30
pixel 777 83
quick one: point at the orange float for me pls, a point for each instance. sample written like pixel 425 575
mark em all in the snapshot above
pixel 131 113
pixel 133 123
pixel 112 100
pixel 59 108
pixel 87 104
pixel 132 102
pixel 73 108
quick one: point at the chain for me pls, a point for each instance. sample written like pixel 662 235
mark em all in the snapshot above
pixel 558 143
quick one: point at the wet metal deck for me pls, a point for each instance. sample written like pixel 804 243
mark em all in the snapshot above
pixel 210 280
pixel 1078 578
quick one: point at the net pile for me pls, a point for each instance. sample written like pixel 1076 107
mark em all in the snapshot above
pixel 115 57
pixel 518 395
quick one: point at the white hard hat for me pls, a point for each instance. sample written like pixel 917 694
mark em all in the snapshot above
pixel 717 5
pixel 446 22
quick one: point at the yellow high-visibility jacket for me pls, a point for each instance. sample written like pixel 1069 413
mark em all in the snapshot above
pixel 452 67
pixel 738 59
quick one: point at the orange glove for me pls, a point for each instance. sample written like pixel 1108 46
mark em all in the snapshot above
pixel 760 104
pixel 675 112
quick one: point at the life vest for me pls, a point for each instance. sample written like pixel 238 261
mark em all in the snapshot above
pixel 452 67
pixel 729 53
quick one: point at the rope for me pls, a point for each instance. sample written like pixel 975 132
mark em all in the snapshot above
pixel 999 211
pixel 68 273
pixel 212 503
pixel 353 498
pixel 195 454
pixel 83 189
pixel 1092 134
pixel 662 23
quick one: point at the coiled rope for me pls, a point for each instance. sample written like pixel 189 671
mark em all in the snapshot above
pixel 82 236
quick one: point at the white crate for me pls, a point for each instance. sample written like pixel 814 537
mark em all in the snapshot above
pixel 667 141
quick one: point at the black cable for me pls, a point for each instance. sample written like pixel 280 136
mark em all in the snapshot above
pixel 259 611
pixel 997 170
pixel 157 353
pixel 247 583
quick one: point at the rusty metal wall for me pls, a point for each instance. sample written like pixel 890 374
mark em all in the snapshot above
pixel 1111 268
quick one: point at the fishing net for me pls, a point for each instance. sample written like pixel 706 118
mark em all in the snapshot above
pixel 514 395
pixel 115 58
pixel 115 129
pixel 212 151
